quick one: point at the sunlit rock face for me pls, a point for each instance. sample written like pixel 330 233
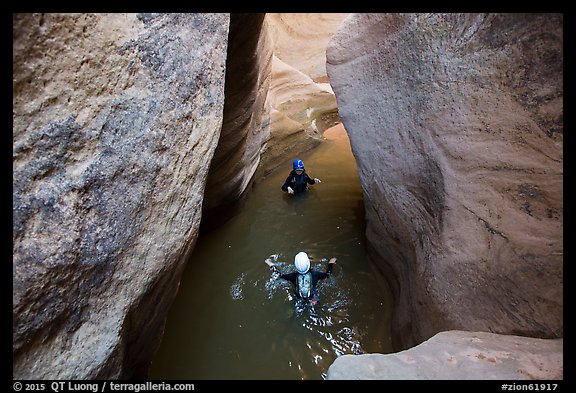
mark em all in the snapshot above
pixel 300 110
pixel 459 355
pixel 456 123
pixel 302 104
pixel 116 119
pixel 300 40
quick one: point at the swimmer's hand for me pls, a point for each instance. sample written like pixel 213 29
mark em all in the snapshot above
pixel 332 260
pixel 275 272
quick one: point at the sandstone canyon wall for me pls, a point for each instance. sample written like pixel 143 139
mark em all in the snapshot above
pixel 456 123
pixel 301 102
pixel 115 121
pixel 300 40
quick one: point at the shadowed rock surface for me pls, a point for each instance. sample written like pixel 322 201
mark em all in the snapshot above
pixel 246 123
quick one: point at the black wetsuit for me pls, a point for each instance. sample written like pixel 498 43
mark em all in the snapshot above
pixel 299 183
pixel 316 276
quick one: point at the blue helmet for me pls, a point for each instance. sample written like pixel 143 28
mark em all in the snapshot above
pixel 298 164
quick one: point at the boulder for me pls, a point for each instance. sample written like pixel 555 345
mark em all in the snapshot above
pixel 459 355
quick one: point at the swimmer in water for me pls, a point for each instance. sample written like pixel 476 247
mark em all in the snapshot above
pixel 298 180
pixel 304 279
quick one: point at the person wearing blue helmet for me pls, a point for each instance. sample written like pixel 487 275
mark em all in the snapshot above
pixel 304 279
pixel 298 180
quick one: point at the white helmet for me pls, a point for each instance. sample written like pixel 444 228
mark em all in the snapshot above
pixel 302 262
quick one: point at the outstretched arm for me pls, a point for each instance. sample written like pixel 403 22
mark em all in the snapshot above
pixel 331 263
pixel 310 180
pixel 317 276
pixel 269 262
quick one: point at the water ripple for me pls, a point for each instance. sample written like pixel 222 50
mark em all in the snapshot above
pixel 236 288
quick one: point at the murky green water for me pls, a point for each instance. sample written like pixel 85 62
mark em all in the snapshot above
pixel 233 320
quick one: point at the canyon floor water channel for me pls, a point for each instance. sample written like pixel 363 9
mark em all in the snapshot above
pixel 233 320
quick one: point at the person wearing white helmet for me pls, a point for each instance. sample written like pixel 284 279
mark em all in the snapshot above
pixel 298 180
pixel 304 279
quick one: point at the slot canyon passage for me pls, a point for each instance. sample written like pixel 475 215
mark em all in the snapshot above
pixel 234 320
pixel 129 130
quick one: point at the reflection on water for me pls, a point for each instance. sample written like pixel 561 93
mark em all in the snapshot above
pixel 233 319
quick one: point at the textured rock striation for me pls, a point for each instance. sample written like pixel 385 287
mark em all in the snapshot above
pixel 456 123
pixel 116 119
